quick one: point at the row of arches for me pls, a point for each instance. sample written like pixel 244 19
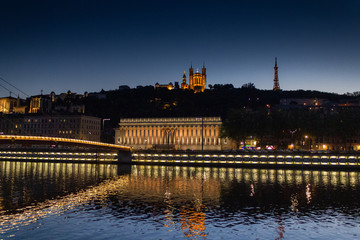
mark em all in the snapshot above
pixel 192 135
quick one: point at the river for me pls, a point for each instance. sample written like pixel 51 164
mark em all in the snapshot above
pixel 102 201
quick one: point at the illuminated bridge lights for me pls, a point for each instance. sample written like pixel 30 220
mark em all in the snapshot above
pixel 56 156
pixel 64 140
pixel 280 159
pixel 265 159
pixel 352 160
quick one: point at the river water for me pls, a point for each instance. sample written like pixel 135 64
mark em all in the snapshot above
pixel 88 201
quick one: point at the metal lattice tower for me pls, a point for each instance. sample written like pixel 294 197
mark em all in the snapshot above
pixel 276 77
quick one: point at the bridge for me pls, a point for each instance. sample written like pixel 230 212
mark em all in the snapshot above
pixel 40 148
pixel 40 140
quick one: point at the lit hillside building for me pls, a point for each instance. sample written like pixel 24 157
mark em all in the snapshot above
pixel 169 86
pixel 65 102
pixel 10 105
pixel 197 81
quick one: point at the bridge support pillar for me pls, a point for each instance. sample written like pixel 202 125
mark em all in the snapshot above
pixel 124 157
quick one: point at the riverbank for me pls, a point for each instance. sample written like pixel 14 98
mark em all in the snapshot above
pixel 251 159
pixel 245 159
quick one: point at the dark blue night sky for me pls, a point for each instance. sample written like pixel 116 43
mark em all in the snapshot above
pixel 93 45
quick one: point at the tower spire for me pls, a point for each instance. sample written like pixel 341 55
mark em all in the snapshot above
pixel 276 77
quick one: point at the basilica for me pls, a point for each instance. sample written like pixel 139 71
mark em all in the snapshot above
pixel 197 81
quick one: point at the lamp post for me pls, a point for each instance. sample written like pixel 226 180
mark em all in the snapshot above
pixel 309 141
pixel 292 136
pixel 103 122
pixel 202 134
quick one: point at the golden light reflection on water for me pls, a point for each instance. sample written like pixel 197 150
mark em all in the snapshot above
pixel 186 193
pixel 308 193
pixel 31 214
pixel 193 223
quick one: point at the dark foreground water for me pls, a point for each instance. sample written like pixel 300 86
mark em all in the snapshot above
pixel 84 201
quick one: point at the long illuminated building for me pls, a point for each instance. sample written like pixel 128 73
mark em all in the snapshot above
pixel 171 133
pixel 65 126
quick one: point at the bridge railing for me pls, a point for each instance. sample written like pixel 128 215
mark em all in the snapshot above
pixel 16 138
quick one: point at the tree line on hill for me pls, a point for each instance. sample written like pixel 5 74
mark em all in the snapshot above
pixel 285 127
pixel 246 111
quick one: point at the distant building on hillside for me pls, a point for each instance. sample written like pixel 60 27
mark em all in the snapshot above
pixel 197 81
pixel 63 103
pixel 7 104
pixel 169 86
pixel 304 103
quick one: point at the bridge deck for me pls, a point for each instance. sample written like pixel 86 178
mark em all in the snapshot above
pixel 50 140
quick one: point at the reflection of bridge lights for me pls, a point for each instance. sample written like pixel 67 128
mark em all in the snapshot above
pixel 308 193
pixel 294 203
pixel 31 214
pixel 252 193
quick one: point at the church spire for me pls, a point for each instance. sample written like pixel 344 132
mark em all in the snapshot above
pixel 276 77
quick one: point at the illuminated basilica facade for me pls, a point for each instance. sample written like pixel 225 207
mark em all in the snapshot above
pixel 171 133
pixel 197 81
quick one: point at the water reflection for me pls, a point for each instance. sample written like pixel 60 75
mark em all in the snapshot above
pixel 25 183
pixel 192 200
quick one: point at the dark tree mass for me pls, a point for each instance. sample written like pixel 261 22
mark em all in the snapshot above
pixel 245 111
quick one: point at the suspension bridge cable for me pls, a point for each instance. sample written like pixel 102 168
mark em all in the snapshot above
pixel 5 88
pixel 14 86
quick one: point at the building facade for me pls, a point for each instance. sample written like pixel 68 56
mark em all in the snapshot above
pixel 169 86
pixel 10 105
pixel 171 133
pixel 197 81
pixel 64 126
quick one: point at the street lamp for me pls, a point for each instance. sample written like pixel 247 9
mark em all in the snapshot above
pixel 103 122
pixel 292 136
pixel 310 141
